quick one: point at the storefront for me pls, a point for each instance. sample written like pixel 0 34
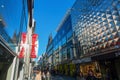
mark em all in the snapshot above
pixel 85 64
pixel 64 69
pixel 94 66
pixel 60 69
pixel 72 69
pixel 110 65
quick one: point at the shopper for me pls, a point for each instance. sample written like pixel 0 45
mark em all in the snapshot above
pixel 91 75
pixel 48 76
pixel 43 76
pixel 38 75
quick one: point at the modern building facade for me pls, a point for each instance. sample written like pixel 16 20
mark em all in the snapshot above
pixel 60 49
pixel 96 24
pixel 49 51
pixel 88 38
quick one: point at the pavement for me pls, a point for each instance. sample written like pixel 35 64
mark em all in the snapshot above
pixel 52 77
pixel 58 77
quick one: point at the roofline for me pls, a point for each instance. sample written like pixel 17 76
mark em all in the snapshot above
pixel 63 20
pixel 7 47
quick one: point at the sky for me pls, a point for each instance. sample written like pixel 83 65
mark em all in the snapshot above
pixel 48 14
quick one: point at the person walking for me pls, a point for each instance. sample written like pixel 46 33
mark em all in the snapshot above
pixel 91 75
pixel 38 75
pixel 43 76
pixel 48 76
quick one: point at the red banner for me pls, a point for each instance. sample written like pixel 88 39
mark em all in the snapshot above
pixel 33 50
pixel 34 38
pixel 22 47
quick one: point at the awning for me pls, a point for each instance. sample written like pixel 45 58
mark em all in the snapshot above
pixel 106 56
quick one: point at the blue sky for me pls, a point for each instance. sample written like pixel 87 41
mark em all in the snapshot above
pixel 48 15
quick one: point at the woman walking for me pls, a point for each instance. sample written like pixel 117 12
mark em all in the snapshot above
pixel 91 75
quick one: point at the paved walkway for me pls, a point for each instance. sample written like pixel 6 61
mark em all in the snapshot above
pixel 48 76
pixel 58 77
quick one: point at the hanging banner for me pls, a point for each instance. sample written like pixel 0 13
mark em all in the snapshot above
pixel 22 45
pixel 33 52
pixel 34 38
pixel 34 47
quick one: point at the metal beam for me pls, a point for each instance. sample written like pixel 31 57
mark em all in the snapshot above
pixel 6 47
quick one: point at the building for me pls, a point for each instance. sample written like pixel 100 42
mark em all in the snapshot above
pixel 7 53
pixel 96 24
pixel 49 51
pixel 88 38
pixel 60 49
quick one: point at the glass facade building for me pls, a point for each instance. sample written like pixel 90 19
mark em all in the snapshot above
pixel 89 39
pixel 14 15
pixel 62 40
pixel 13 21
pixel 59 50
pixel 4 35
pixel 96 24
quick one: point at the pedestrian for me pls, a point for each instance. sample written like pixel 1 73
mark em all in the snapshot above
pixel 38 75
pixel 43 76
pixel 91 76
pixel 80 76
pixel 48 76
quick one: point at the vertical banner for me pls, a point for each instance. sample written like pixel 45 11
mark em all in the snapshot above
pixel 22 45
pixel 34 48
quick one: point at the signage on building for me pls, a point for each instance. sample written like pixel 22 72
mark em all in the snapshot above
pixel 81 60
pixel 22 45
pixel 117 54
pixel 34 48
pixel 110 48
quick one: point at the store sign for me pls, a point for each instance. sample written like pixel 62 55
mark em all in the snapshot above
pixel 81 60
pixel 34 48
pixel 22 45
pixel 117 54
